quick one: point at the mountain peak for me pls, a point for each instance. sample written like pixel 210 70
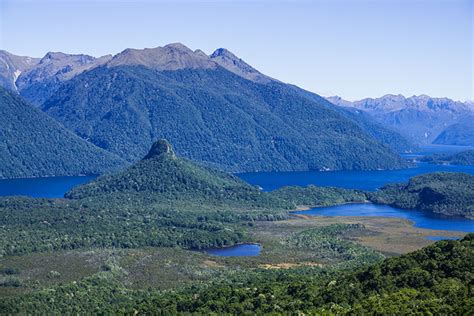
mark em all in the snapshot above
pixel 171 57
pixel 232 63
pixel 178 46
pixel 159 148
pixel 224 52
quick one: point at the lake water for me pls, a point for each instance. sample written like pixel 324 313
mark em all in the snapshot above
pixel 421 219
pixel 52 187
pixel 242 250
pixel 363 180
pixel 438 238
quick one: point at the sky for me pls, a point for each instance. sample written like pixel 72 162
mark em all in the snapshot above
pixel 352 48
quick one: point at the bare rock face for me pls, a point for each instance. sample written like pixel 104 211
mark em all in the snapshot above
pixel 168 58
pixel 59 66
pixel 232 63
pixel 12 66
pixel 159 148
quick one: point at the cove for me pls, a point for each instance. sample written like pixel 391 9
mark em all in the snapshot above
pixel 419 218
pixel 241 250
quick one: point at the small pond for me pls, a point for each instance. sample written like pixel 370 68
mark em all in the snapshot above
pixel 241 250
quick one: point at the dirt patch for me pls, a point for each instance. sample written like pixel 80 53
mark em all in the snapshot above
pixel 212 264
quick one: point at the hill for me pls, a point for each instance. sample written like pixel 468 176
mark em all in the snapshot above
pixel 450 194
pixel 418 118
pixel 161 177
pixel 161 201
pixel 461 134
pixel 461 158
pixel 35 145
pixel 210 115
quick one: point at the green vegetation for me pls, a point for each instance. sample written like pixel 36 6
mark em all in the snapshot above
pixel 437 279
pixel 365 121
pixel 34 145
pixel 121 245
pixel 214 117
pixel 451 194
pixel 162 176
pixel 162 200
pixel 462 158
pixel 318 196
pixel 330 244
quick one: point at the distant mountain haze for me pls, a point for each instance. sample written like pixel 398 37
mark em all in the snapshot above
pixel 421 119
pixel 461 134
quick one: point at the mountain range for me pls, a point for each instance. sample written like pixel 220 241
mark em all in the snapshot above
pixel 461 134
pixel 421 119
pixel 216 109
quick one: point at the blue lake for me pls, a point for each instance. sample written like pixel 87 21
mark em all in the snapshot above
pixel 421 219
pixel 242 250
pixel 52 187
pixel 363 180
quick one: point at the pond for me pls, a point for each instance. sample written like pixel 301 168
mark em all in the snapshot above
pixel 240 250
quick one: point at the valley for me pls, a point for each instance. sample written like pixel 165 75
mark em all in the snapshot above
pixel 153 226
pixel 236 158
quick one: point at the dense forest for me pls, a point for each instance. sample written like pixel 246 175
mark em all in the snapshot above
pixel 318 196
pixel 162 200
pixel 216 117
pixel 450 194
pixel 167 201
pixel 435 280
pixel 33 144
pixel 461 158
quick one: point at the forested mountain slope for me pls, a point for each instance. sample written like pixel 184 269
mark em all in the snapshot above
pixel 211 115
pixel 35 145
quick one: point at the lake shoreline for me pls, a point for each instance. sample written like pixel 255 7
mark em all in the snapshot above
pixel 420 219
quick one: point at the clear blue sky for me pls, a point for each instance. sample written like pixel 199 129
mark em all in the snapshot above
pixel 354 49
